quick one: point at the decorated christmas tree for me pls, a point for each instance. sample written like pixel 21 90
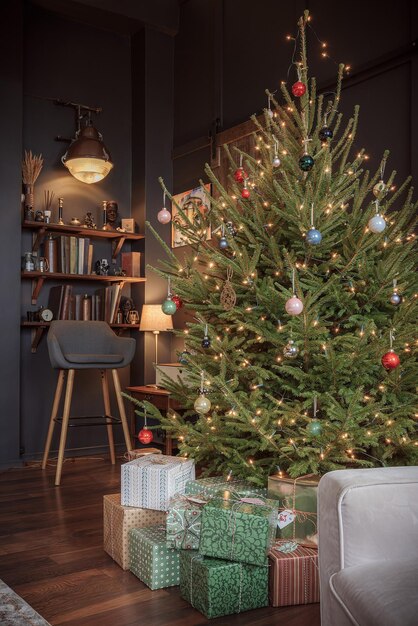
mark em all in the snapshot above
pixel 300 354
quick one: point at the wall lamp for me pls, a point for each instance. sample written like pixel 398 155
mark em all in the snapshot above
pixel 86 158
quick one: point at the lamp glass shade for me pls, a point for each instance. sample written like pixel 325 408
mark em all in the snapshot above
pixel 153 319
pixel 87 158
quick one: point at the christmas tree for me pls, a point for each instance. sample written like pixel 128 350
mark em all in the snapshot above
pixel 299 298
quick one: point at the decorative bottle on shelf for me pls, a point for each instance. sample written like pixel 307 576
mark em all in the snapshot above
pixel 60 208
pixel 51 253
pixel 86 309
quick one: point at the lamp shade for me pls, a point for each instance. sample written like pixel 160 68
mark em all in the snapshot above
pixel 153 319
pixel 87 158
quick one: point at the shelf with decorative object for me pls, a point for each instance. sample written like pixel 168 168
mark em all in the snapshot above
pixel 118 238
pixel 39 328
pixel 40 277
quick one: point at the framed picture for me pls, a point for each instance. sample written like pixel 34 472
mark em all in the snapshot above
pixel 193 203
pixel 128 224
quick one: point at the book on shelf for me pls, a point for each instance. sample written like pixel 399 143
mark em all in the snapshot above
pixel 59 301
pixel 131 263
pixel 75 255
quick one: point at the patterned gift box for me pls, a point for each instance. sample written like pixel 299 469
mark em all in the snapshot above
pixel 215 587
pixel 214 485
pixel 184 519
pixel 117 522
pixel 150 559
pixel 238 529
pixel 297 507
pixel 293 575
pixel 151 481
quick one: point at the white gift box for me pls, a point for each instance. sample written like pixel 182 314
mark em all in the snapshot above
pixel 149 482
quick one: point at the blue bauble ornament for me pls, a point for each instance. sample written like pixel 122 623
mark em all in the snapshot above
pixel 313 237
pixel 223 243
pixel 377 223
pixel 168 307
pixel 395 298
pixel 306 162
pixel 183 357
pixel 325 133
pixel 314 428
pixel 205 342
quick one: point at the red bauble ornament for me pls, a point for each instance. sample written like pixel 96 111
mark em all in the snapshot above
pixel 177 301
pixel 298 89
pixel 245 193
pixel 240 175
pixel 390 360
pixel 145 435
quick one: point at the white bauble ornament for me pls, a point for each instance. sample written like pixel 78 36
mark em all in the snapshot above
pixel 377 223
pixel 294 306
pixel 276 161
pixel 202 404
pixel 164 216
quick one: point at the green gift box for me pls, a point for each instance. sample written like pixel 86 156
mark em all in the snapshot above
pixel 297 500
pixel 215 484
pixel 216 587
pixel 238 529
pixel 183 522
pixel 151 560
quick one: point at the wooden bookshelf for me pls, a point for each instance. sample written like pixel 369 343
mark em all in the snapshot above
pixel 118 238
pixel 40 277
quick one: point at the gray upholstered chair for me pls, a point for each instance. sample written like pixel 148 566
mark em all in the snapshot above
pixel 368 547
pixel 86 345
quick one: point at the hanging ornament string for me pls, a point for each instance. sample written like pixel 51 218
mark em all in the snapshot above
pixel 391 338
pixel 382 169
pixel 315 407
pixel 169 288
pixel 202 381
pixel 395 284
pixel 293 281
pixel 312 220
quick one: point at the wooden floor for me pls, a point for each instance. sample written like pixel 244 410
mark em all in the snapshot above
pixel 51 554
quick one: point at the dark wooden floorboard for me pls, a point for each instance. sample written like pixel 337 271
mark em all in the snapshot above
pixel 51 554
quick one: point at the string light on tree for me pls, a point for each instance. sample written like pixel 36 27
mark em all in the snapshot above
pixel 390 360
pixel 168 306
pixel 145 435
pixel 377 223
pixel 314 427
pixel 294 306
pixel 313 236
pixel 395 298
pixel 202 404
pixel 164 216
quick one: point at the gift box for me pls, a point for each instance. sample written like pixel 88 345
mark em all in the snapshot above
pixel 297 507
pixel 238 529
pixel 117 522
pixel 293 574
pixel 214 485
pixel 149 482
pixel 151 560
pixel 216 587
pixel 184 519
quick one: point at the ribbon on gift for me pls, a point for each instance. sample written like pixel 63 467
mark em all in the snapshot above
pixel 187 525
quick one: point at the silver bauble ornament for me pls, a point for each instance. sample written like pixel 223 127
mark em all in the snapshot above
pixel 276 161
pixel 202 404
pixel 290 351
pixel 379 188
pixel 395 298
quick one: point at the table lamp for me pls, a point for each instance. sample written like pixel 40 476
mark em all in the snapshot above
pixel 155 321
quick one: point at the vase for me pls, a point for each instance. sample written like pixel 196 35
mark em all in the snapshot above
pixel 29 202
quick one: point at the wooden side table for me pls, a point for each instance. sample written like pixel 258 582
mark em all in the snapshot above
pixel 160 398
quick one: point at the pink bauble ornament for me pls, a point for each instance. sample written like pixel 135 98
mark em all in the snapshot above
pixel 294 306
pixel 164 216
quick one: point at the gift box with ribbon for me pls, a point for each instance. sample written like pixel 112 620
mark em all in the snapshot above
pixel 293 574
pixel 297 499
pixel 216 587
pixel 184 519
pixel 117 522
pixel 238 528
pixel 149 482
pixel 215 484
pixel 151 560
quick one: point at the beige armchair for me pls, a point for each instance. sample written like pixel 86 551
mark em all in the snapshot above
pixel 368 547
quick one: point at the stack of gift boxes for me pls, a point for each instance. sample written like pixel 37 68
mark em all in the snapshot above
pixel 229 545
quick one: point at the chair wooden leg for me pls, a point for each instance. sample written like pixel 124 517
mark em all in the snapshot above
pixel 55 406
pixel 106 401
pixel 122 412
pixel 64 425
